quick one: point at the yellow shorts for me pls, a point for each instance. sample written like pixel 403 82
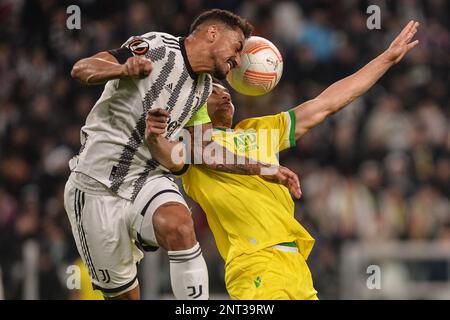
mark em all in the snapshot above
pixel 276 273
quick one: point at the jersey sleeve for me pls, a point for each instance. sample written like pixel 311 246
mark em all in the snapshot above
pixel 201 117
pixel 134 46
pixel 284 122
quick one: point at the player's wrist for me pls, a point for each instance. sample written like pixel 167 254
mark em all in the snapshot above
pixel 386 58
pixel 153 139
pixel 264 169
pixel 123 71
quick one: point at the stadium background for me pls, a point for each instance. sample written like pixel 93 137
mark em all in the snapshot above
pixel 375 177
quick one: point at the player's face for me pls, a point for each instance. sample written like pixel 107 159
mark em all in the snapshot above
pixel 220 106
pixel 227 51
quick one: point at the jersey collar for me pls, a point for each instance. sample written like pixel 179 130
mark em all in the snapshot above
pixel 223 129
pixel 186 60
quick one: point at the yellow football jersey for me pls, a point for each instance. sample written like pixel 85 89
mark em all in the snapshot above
pixel 200 117
pixel 247 213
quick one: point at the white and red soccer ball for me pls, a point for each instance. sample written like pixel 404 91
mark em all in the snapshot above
pixel 261 68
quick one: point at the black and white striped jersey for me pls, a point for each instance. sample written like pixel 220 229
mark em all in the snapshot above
pixel 113 150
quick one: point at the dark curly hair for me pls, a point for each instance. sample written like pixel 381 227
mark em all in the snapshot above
pixel 228 18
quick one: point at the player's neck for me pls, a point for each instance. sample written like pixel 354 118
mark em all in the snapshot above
pixel 221 126
pixel 195 52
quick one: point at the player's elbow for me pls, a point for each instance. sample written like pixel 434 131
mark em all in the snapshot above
pixel 78 72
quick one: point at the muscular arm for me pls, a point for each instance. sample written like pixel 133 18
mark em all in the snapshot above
pixel 343 92
pixel 171 154
pixel 224 160
pixel 103 67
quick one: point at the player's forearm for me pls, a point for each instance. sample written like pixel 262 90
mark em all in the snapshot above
pixel 96 70
pixel 221 159
pixel 348 89
pixel 244 169
pixel 217 157
pixel 169 154
pixel 311 113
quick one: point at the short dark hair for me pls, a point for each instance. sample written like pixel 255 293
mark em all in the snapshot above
pixel 217 81
pixel 220 82
pixel 228 18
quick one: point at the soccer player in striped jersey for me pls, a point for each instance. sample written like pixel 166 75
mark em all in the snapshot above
pixel 118 197
pixel 264 247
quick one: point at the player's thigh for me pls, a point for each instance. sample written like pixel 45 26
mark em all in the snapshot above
pixel 133 294
pixel 301 287
pixel 290 269
pixel 270 274
pixel 101 230
pixel 255 276
pixel 160 196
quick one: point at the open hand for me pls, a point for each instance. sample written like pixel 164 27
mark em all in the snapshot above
pixel 402 44
pixel 286 177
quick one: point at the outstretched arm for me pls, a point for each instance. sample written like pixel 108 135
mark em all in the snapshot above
pixel 103 67
pixel 343 92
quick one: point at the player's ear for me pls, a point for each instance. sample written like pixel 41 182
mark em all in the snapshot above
pixel 211 32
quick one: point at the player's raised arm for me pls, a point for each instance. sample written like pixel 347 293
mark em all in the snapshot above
pixel 343 92
pixel 104 66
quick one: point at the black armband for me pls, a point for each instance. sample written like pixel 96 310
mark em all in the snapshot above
pixel 121 54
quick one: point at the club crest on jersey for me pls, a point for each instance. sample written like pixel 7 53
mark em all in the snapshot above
pixel 139 47
pixel 173 125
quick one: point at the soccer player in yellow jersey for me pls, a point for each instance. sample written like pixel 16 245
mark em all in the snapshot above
pixel 265 249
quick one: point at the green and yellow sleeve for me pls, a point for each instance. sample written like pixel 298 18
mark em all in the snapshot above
pixel 291 122
pixel 285 122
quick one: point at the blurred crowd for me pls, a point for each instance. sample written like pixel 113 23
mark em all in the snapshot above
pixel 377 171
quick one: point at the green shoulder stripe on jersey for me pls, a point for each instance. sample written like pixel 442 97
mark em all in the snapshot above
pixel 221 129
pixel 201 117
pixel 292 141
pixel 288 244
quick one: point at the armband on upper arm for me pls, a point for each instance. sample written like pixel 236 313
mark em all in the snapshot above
pixel 121 54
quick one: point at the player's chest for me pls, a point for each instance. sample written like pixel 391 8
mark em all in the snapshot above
pixel 244 142
pixel 182 101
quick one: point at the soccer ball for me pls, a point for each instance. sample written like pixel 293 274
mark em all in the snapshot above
pixel 261 68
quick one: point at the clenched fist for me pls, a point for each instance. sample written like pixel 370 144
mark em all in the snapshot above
pixel 156 124
pixel 137 67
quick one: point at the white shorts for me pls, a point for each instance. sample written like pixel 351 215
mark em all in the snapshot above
pixel 110 231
